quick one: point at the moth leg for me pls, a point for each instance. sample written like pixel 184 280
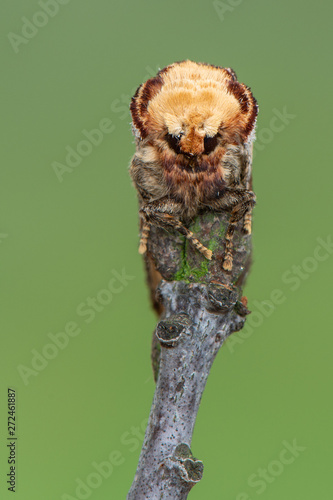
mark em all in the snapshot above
pixel 229 244
pixel 241 203
pixel 247 225
pixel 161 214
pixel 193 240
pixel 144 238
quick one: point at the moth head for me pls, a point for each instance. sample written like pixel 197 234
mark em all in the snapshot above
pixel 192 109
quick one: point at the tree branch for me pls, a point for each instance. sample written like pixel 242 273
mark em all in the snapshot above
pixel 203 305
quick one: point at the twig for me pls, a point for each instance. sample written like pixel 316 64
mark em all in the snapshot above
pixel 202 307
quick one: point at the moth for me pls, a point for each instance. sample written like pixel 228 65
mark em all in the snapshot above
pixel 194 126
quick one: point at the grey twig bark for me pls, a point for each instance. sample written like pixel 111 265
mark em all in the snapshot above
pixel 202 305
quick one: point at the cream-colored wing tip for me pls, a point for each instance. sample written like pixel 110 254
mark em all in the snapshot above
pixel 208 254
pixel 142 248
pixel 227 264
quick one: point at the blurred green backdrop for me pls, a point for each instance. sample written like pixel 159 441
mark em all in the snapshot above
pixel 67 229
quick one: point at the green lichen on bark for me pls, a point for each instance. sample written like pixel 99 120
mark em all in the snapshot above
pixel 177 260
pixel 193 267
pixel 188 274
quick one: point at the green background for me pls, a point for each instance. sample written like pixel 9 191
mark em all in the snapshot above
pixel 61 241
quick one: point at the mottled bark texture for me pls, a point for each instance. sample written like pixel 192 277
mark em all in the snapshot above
pixel 202 305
